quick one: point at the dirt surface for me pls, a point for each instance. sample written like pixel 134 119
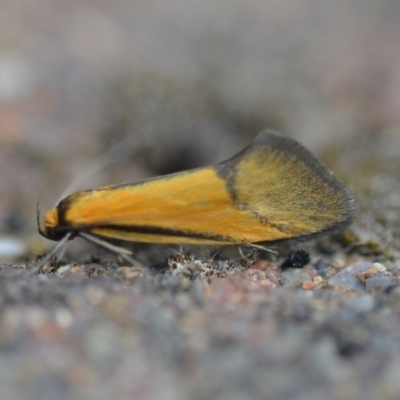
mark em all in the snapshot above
pixel 171 86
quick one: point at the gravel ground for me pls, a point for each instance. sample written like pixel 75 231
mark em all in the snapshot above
pixel 189 84
pixel 329 330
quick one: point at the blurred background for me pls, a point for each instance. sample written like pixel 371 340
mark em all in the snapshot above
pixel 177 84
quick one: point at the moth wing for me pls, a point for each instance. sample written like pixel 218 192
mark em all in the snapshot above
pixel 273 189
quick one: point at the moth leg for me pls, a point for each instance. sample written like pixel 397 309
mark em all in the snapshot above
pixel 118 250
pixel 51 254
pixel 259 247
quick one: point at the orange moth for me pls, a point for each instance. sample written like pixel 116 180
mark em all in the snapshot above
pixel 274 189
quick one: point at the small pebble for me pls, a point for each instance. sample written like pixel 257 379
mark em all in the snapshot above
pixel 309 285
pixel 366 274
pixel 77 269
pixel 321 266
pixel 262 265
pixel 338 263
pixel 364 303
pixel 273 275
pixel 129 272
pixel 294 277
pixel 380 282
pixel 347 277
pixel 267 283
pixel 379 267
pixel 63 270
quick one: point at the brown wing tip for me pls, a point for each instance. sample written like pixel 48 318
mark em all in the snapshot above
pixel 279 142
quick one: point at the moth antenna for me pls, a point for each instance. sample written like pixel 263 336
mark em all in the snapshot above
pixel 118 152
pixel 41 231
